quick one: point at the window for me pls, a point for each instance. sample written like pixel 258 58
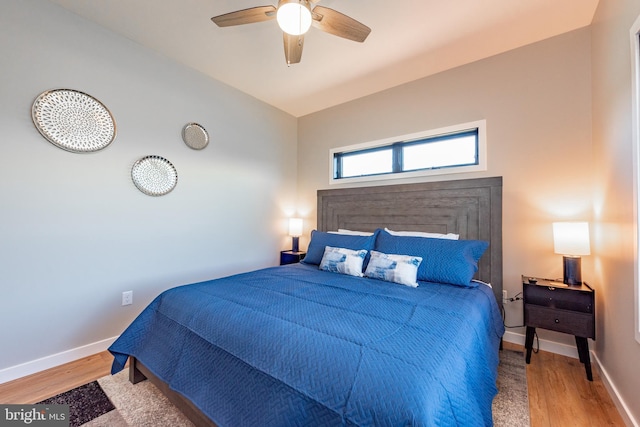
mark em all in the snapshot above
pixel 364 162
pixel 454 149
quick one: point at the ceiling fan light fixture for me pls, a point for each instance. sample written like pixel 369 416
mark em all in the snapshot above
pixel 294 16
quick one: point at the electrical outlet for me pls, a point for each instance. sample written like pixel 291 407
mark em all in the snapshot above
pixel 127 298
pixel 505 298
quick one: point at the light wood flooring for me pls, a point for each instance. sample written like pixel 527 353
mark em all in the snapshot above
pixel 43 385
pixel 559 393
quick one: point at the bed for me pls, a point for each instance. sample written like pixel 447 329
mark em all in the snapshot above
pixel 315 343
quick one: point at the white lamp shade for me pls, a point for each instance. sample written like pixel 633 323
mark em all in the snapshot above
pixel 294 16
pixel 571 238
pixel 295 227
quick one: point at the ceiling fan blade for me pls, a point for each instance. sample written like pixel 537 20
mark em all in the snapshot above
pixel 246 16
pixel 293 48
pixel 338 24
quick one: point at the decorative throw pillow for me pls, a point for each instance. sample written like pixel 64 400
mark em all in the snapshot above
pixel 343 261
pixel 319 240
pixel 444 261
pixel 401 269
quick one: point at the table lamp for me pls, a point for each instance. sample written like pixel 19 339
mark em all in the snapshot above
pixel 295 231
pixel 571 240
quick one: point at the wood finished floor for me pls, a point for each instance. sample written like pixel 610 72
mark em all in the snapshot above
pixel 559 393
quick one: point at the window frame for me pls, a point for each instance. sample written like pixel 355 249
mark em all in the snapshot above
pixel 436 134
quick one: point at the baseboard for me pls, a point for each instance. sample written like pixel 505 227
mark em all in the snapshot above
pixel 545 345
pixel 623 409
pixel 565 350
pixel 18 371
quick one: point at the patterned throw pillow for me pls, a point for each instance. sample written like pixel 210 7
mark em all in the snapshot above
pixel 343 261
pixel 401 269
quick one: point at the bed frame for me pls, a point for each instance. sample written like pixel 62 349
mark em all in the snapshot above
pixel 469 207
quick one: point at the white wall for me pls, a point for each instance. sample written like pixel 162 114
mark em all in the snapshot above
pixel 75 232
pixel 537 104
pixel 616 347
pixel 559 131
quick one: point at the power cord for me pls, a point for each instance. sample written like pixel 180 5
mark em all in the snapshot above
pixel 518 297
pixel 536 348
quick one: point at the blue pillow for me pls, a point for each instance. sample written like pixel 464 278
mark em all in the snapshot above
pixel 443 261
pixel 320 239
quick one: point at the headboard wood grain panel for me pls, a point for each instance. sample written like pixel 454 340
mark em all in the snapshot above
pixel 469 207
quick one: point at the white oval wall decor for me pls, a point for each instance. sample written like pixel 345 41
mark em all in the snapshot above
pixel 73 120
pixel 195 136
pixel 154 175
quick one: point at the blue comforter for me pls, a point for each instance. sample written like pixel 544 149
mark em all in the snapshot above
pixel 296 346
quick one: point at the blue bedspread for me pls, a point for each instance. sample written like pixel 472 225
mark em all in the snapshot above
pixel 295 346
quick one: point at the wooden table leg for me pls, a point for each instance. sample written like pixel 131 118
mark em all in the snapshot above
pixel 528 343
pixel 583 353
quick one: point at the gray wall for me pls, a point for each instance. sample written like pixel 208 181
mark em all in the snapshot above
pixel 75 232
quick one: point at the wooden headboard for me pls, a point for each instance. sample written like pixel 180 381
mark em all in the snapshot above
pixel 469 207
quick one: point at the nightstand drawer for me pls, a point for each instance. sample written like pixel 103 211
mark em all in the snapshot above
pixel 561 298
pixel 570 322
pixel 290 257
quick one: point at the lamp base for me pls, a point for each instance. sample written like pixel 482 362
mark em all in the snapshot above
pixel 572 270
pixel 295 247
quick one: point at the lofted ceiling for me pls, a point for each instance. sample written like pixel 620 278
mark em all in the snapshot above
pixel 409 39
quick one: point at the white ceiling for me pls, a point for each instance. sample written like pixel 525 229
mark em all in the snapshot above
pixel 410 39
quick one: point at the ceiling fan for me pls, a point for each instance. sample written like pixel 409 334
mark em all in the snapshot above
pixel 295 17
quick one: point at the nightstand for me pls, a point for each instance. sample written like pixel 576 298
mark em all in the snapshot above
pixel 562 308
pixel 290 257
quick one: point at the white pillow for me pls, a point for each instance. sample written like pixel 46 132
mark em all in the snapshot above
pixel 482 283
pixel 449 236
pixel 352 233
pixel 402 269
pixel 343 261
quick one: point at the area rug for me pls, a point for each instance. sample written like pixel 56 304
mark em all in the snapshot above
pixel 112 401
pixel 139 405
pixel 511 405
